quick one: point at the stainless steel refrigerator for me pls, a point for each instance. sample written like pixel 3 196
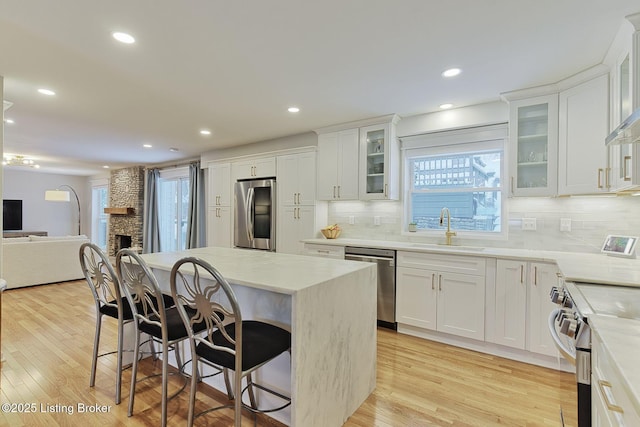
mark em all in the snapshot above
pixel 255 214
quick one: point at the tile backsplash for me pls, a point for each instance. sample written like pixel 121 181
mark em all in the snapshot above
pixel 590 218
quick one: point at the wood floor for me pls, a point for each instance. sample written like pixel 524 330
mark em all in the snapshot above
pixel 47 338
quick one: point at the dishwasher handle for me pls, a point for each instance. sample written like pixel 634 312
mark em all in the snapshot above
pixel 366 257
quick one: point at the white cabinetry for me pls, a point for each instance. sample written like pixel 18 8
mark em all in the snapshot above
pixel 379 162
pixel 623 59
pixel 583 127
pixel 325 251
pixel 533 130
pixel 441 292
pixel 219 226
pixel 259 167
pixel 521 306
pixel 296 174
pixel 219 184
pixel 611 406
pixel 338 165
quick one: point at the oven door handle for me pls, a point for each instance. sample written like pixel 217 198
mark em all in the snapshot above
pixel 567 353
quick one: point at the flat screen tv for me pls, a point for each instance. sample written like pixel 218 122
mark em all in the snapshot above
pixel 11 215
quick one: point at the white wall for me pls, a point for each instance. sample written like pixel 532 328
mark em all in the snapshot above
pixel 56 218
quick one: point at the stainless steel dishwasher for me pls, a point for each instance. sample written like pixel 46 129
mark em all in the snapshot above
pixel 385 259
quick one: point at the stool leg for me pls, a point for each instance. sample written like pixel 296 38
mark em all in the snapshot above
pixel 134 368
pixel 119 355
pixel 194 379
pixel 96 345
pixel 165 380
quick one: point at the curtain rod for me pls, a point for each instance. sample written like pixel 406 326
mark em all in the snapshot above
pixel 173 165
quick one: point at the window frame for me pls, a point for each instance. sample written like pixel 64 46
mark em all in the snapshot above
pixel 452 142
pixel 178 175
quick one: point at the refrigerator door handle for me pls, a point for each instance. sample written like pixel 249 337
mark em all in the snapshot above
pixel 250 213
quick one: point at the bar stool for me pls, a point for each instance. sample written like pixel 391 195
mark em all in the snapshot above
pixel 105 288
pixel 153 316
pixel 242 345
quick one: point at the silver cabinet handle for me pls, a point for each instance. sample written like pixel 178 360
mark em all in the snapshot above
pixel 521 273
pixel 338 191
pixel 334 191
pixel 440 282
pixel 385 191
pixel 512 191
pixel 606 177
pixel 433 281
pixel 535 276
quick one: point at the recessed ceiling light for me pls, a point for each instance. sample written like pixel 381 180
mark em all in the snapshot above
pixel 173 150
pixel 105 167
pixel 47 92
pixel 293 109
pixel 205 132
pixel 124 37
pixel 451 72
pixel 9 121
pixel 147 145
pixel 446 106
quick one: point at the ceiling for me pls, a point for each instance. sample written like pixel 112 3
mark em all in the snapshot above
pixel 234 67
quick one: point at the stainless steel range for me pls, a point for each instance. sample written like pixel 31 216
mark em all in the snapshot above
pixel 569 327
pixel 570 330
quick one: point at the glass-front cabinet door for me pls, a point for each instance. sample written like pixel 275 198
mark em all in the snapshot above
pixel 533 146
pixel 378 158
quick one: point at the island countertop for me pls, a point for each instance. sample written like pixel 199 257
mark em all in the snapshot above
pixel 275 272
pixel 331 369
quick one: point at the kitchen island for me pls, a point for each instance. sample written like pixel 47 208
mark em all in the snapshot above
pixel 330 308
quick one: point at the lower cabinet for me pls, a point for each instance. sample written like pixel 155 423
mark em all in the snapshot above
pixel 219 227
pixel 520 307
pixel 295 223
pixel 442 293
pixel 611 406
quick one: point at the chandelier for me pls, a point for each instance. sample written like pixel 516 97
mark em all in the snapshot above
pixel 17 160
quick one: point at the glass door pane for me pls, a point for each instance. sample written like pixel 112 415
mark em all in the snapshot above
pixel 533 135
pixel 375 161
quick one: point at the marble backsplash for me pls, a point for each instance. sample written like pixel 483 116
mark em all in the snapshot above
pixel 592 219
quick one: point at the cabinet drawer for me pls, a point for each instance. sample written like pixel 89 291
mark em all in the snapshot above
pixel 327 251
pixel 607 386
pixel 452 263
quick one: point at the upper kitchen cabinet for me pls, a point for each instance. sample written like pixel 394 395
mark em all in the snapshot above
pixel 337 172
pixel 582 128
pixel 296 174
pixel 219 193
pixel 379 162
pixel 533 146
pixel 259 167
pixel 623 60
pixel 359 160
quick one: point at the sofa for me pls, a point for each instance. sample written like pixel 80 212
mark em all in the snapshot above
pixel 36 260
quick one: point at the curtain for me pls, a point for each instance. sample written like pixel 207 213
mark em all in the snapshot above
pixel 196 231
pixel 151 230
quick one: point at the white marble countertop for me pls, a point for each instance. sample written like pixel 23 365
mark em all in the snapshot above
pixel 281 273
pixel 575 266
pixel 621 339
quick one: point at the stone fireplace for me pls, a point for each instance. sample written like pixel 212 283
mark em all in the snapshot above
pixel 126 207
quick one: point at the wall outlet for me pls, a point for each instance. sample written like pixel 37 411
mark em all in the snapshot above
pixel 376 220
pixel 565 224
pixel 529 224
pixel 352 219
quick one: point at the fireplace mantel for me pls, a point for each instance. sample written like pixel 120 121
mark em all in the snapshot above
pixel 119 211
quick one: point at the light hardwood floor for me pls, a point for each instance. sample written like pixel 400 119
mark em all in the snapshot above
pixel 47 338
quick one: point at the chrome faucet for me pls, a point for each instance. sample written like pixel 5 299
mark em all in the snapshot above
pixel 449 234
